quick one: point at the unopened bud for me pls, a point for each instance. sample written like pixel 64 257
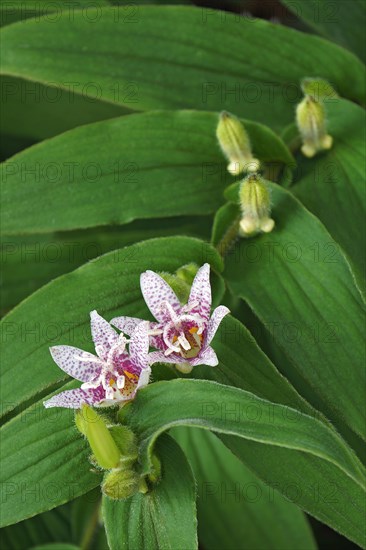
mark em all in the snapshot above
pixel 310 118
pixel 255 204
pixel 235 144
pixel 184 368
pixel 106 453
pixel 120 484
pixel 318 88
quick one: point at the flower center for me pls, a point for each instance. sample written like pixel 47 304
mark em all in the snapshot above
pixel 184 333
pixel 116 384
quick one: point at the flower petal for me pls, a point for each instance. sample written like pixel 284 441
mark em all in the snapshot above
pixel 160 357
pixel 77 363
pixel 144 378
pixel 201 292
pixel 73 399
pixel 213 324
pixel 103 334
pixel 139 345
pixel 207 357
pixel 126 324
pixel 156 292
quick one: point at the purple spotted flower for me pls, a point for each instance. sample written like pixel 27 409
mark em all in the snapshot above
pixel 182 334
pixel 110 377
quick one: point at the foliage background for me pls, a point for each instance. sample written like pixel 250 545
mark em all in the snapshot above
pixel 131 155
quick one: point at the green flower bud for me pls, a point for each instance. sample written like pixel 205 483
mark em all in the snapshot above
pixel 187 273
pixel 255 204
pixel 105 451
pixel 235 144
pixel 318 88
pixel 120 484
pixel 184 368
pixel 126 442
pixel 180 287
pixel 310 118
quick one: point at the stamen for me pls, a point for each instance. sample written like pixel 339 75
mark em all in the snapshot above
pixel 121 382
pixel 183 341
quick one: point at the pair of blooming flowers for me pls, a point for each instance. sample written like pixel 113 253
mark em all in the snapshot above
pixel 181 335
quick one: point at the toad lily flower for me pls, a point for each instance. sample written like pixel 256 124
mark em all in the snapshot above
pixel 182 334
pixel 111 377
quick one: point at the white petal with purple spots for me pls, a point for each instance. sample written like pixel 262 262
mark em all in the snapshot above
pixel 139 345
pixel 77 363
pixel 73 399
pixel 157 293
pixel 126 324
pixel 104 336
pixel 213 324
pixel 207 357
pixel 200 295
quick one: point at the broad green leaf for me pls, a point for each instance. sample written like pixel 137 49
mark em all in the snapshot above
pixel 36 111
pixel 300 286
pixel 19 10
pixel 318 488
pixel 159 164
pixel 87 528
pixel 314 486
pixel 188 58
pixel 242 364
pixel 272 434
pixel 53 526
pixel 59 312
pixel 44 462
pixel 332 185
pixel 10 145
pixel 28 262
pixel 228 410
pixel 235 508
pixel 162 519
pixel 56 546
pixel 342 21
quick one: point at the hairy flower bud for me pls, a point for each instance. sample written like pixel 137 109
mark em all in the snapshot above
pixel 235 144
pixel 256 206
pixel 310 118
pixel 120 484
pixel 106 453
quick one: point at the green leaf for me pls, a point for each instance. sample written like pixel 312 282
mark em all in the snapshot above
pixel 339 21
pixel 32 261
pixel 323 492
pixel 285 447
pixel 317 487
pixel 53 526
pixel 160 164
pixel 36 111
pixel 18 10
pixel 228 410
pixel 332 185
pixel 300 286
pixel 44 462
pixel 59 312
pixel 163 518
pixel 87 528
pixel 235 509
pixel 189 58
pixel 251 371
pixel 56 546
